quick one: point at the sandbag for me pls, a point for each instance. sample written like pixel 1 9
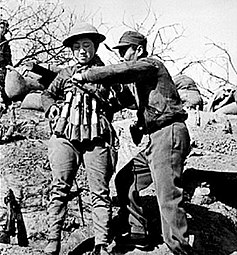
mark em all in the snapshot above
pixel 188 92
pixel 221 98
pixel 190 98
pixel 18 86
pixel 33 101
pixel 15 85
pixel 184 82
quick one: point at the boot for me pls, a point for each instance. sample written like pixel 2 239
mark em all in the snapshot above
pixel 53 247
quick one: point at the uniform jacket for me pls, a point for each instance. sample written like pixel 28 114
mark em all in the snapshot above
pixel 5 59
pixel 5 53
pixel 89 117
pixel 158 101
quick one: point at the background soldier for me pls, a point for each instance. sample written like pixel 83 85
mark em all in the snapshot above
pixel 5 59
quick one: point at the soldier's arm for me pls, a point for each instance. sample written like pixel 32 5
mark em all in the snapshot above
pixel 8 55
pixel 126 72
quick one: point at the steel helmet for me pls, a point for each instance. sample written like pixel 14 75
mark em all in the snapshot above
pixel 84 30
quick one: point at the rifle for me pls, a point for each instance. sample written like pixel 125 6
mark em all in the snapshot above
pixel 15 215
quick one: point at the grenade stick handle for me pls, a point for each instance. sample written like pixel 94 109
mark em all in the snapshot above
pixel 62 121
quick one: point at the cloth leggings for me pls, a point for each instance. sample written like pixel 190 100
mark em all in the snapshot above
pixel 64 162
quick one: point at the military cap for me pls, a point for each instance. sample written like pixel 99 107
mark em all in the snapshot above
pixel 131 38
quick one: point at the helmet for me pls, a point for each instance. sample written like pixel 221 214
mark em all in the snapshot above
pixel 84 30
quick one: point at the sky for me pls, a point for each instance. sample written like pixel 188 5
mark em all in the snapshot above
pixel 204 21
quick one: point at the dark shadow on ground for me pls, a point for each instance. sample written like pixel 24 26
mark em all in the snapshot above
pixel 85 246
pixel 13 138
pixel 213 233
pixel 223 185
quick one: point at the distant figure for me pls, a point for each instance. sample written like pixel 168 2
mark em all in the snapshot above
pixel 188 91
pixel 5 59
pixel 223 101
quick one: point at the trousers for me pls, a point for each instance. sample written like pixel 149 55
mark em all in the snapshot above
pixel 162 163
pixel 64 162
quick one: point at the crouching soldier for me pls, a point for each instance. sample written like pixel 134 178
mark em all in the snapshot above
pixel 82 128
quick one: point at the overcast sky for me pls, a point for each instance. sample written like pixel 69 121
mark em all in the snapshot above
pixel 203 20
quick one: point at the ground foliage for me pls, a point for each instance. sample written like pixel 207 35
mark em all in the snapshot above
pixel 210 181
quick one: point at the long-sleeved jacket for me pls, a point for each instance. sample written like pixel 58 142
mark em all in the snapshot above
pixel 5 53
pixel 158 101
pixel 5 59
pixel 90 116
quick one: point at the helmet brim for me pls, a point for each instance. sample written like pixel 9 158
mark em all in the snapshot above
pixel 95 37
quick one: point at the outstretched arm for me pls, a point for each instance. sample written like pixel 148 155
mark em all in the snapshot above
pixel 126 72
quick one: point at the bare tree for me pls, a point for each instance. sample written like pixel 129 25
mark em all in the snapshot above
pixel 161 39
pixel 216 68
pixel 224 62
pixel 37 29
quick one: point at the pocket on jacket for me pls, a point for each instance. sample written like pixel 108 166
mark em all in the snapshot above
pixel 151 116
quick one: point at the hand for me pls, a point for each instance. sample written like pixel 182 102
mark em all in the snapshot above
pixel 76 77
pixel 54 112
pixel 11 68
pixel 29 65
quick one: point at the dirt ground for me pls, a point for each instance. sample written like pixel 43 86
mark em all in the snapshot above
pixel 210 184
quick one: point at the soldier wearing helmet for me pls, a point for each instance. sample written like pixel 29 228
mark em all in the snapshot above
pixel 5 59
pixel 82 133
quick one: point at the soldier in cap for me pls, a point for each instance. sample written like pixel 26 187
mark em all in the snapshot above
pixel 5 59
pixel 161 117
pixel 82 134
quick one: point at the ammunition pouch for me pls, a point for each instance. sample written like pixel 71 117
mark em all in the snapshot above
pixel 62 120
pixel 60 127
pixel 155 119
